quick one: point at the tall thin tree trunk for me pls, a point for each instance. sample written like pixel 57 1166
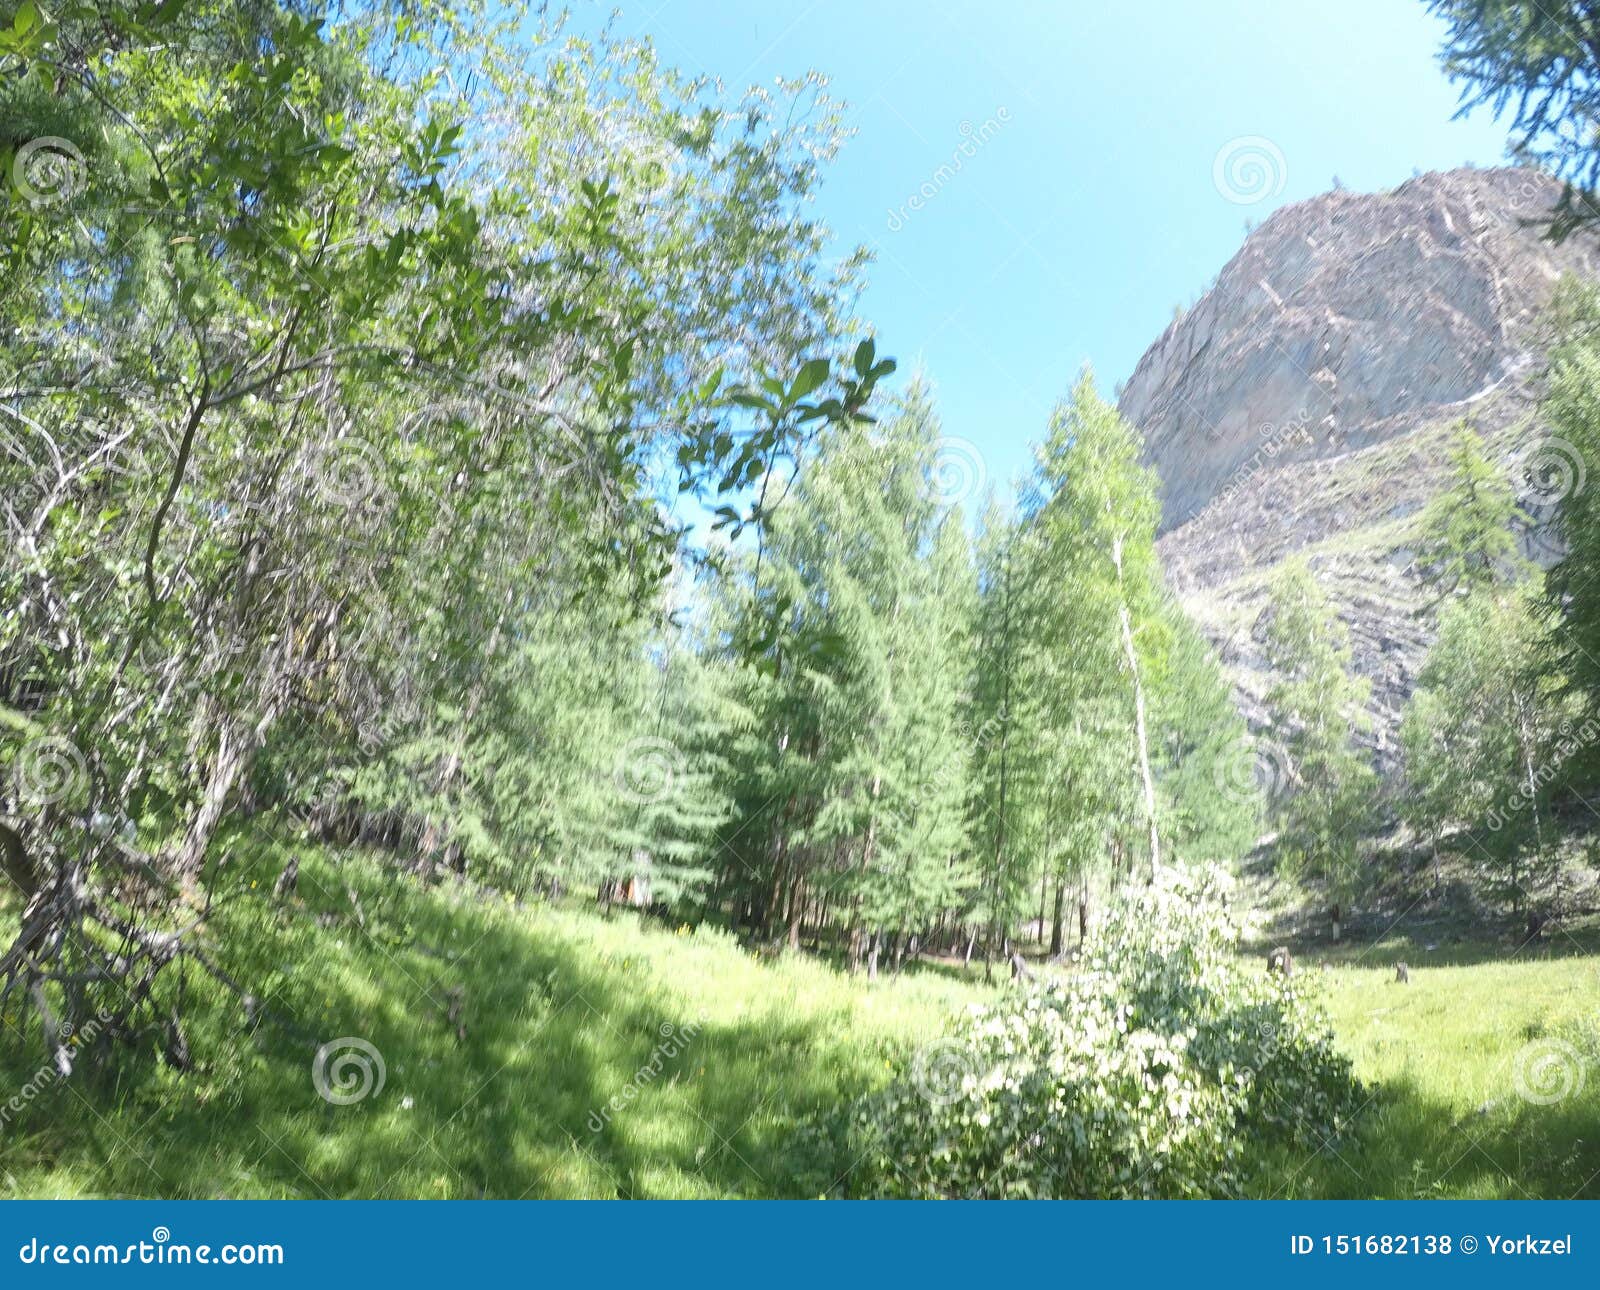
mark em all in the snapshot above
pixel 796 912
pixel 1055 923
pixel 1138 716
pixel 1526 738
pixel 235 752
pixel 780 868
pixel 1005 739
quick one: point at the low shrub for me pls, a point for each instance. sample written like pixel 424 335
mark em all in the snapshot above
pixel 1144 1073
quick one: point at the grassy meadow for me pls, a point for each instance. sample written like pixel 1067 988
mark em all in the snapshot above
pixel 707 1057
pixel 1484 1073
pixel 532 1051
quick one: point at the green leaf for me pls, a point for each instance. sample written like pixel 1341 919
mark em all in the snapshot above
pixel 812 375
pixel 863 359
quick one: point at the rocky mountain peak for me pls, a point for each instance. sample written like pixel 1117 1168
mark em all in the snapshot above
pixel 1345 320
pixel 1304 406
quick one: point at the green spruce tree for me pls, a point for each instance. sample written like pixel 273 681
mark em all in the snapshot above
pixel 1318 708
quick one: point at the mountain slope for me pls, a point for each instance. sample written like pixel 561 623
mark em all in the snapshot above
pixel 1303 405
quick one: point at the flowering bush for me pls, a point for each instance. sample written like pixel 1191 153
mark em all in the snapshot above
pixel 1143 1074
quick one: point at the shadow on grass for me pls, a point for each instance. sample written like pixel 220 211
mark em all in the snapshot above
pixel 576 1077
pixel 584 1072
pixel 1407 1146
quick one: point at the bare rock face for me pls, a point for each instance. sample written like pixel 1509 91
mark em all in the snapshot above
pixel 1304 406
pixel 1345 320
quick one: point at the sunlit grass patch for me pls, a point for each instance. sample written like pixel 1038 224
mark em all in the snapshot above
pixel 1485 1079
pixel 568 1085
pixel 600 1057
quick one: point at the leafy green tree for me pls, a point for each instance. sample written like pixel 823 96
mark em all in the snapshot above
pixel 1212 809
pixel 1100 588
pixel 338 402
pixel 1103 717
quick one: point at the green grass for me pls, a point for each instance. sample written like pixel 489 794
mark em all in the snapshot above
pixel 564 1009
pixel 1441 1058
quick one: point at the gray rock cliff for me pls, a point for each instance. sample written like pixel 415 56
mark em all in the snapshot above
pixel 1303 405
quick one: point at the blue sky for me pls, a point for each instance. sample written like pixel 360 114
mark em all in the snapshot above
pixel 1089 207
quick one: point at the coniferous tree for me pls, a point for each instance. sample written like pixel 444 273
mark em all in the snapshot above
pixel 1317 707
pixel 1539 60
pixel 1572 410
pixel 997 739
pixel 1477 699
pixel 1105 716
pixel 1480 736
pixel 1211 812
pixel 1099 587
pixel 1467 536
pixel 864 789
